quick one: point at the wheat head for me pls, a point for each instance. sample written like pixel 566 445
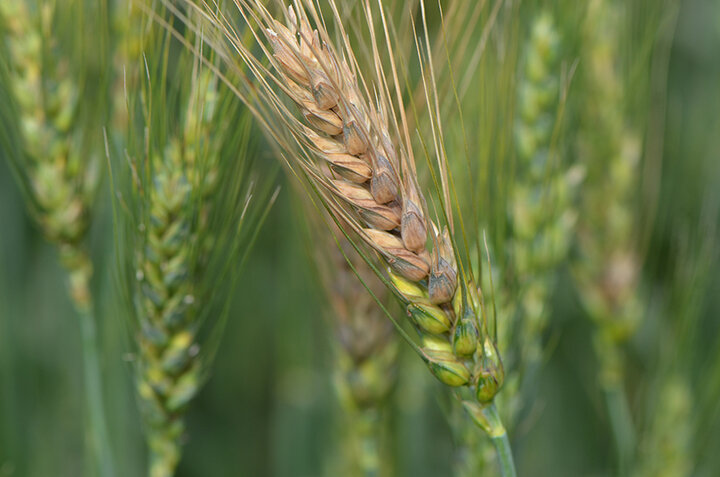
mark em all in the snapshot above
pixel 61 181
pixel 171 254
pixel 608 271
pixel 357 155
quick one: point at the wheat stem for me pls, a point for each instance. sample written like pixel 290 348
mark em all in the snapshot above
pixel 94 394
pixel 621 424
pixel 61 180
pixel 608 273
pixel 504 452
pixel 487 418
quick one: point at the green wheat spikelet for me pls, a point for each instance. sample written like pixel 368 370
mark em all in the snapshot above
pixel 186 207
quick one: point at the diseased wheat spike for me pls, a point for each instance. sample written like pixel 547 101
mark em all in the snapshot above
pixel 348 133
pixel 170 258
pixel 357 155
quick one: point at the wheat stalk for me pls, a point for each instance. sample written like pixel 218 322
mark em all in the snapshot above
pixel 358 157
pixel 187 210
pixel 169 268
pixel 365 349
pixel 61 177
pixel 608 271
pixel 541 214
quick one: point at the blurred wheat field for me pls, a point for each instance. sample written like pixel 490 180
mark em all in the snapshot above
pixel 149 151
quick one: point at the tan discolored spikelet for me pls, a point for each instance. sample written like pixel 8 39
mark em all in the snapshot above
pixel 346 134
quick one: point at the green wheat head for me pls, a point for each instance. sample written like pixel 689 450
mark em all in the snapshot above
pixel 60 175
pixel 188 191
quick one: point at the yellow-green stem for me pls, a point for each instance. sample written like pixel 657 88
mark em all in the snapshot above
pixel 79 270
pixel 499 438
pixel 487 418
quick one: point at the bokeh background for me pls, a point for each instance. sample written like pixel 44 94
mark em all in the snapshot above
pixel 269 407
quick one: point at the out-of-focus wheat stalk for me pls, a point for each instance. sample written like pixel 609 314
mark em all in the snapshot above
pixel 609 271
pixel 59 172
pixel 356 154
pixel 365 351
pixel 541 214
pixel 610 233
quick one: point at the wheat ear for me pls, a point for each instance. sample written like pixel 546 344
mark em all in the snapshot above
pixel 170 262
pixel 365 351
pixel 608 272
pixel 541 212
pixel 359 159
pixel 61 179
